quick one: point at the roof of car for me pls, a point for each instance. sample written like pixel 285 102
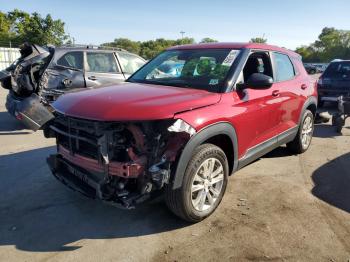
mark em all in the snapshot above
pixel 339 60
pixel 92 49
pixel 88 49
pixel 234 46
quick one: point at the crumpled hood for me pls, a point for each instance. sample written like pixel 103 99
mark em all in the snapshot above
pixel 132 101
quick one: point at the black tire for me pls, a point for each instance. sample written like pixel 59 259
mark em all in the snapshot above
pixel 296 146
pixel 339 123
pixel 179 200
pixel 334 119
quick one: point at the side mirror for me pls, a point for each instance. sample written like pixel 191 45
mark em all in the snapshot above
pixel 258 81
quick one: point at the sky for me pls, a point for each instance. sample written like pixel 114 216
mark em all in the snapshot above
pixel 284 23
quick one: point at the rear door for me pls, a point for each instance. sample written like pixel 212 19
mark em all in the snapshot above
pixel 65 72
pixel 290 85
pixel 101 68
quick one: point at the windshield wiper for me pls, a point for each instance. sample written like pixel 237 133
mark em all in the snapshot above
pixel 152 82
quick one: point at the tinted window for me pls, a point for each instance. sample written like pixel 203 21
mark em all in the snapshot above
pixel 101 62
pixel 130 63
pixel 258 62
pixel 283 67
pixel 338 70
pixel 72 59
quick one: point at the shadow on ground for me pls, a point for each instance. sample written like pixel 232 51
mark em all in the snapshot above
pixel 8 124
pixel 39 214
pixel 332 182
pixel 325 130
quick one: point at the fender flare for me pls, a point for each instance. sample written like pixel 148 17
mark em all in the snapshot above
pixel 309 101
pixel 221 128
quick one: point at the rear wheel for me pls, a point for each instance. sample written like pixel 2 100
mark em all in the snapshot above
pixel 303 139
pixel 339 123
pixel 203 185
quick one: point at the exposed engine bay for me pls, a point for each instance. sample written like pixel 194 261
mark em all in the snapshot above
pixel 123 163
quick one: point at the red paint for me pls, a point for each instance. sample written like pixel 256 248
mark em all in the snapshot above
pixel 236 46
pixel 131 101
pixel 265 114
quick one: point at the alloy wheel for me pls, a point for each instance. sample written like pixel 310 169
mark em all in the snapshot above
pixel 306 132
pixel 207 184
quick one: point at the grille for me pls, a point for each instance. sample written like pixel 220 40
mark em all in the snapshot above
pixel 78 136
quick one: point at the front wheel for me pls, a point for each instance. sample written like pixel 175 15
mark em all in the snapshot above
pixel 203 185
pixel 303 139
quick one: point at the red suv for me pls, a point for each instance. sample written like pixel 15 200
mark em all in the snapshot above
pixel 182 124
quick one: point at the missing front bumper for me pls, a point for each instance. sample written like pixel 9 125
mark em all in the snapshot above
pixel 82 181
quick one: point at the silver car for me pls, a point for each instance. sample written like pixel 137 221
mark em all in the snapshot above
pixel 41 75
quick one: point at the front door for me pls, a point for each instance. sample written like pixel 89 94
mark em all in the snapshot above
pixel 259 117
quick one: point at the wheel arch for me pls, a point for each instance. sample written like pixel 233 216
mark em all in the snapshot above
pixel 218 134
pixel 310 104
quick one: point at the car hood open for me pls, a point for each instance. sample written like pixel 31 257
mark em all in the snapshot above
pixel 132 101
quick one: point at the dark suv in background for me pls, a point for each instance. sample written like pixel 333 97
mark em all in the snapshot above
pixel 41 75
pixel 334 82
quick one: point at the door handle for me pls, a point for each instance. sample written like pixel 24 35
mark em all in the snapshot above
pixel 275 92
pixel 93 78
pixel 303 86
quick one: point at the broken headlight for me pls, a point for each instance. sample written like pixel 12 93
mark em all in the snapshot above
pixel 182 126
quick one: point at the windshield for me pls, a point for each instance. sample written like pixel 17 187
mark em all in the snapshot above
pixel 204 69
pixel 338 70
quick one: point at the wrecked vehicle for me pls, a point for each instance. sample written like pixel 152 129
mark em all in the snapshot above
pixel 41 75
pixel 183 134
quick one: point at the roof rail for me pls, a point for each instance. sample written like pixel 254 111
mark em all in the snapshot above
pixel 92 47
pixel 336 60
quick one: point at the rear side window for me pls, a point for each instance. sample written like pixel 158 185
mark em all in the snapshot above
pixel 130 63
pixel 72 60
pixel 338 70
pixel 284 69
pixel 101 62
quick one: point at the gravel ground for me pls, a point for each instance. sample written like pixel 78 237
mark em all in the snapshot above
pixel 282 207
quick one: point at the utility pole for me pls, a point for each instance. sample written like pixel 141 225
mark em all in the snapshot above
pixel 182 35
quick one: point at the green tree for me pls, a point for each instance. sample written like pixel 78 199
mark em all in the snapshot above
pixel 208 40
pixel 261 40
pixel 18 26
pixel 125 43
pixel 331 43
pixel 148 49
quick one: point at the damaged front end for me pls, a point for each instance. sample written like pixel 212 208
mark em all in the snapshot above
pixel 123 163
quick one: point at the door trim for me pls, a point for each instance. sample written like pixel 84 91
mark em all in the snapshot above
pixel 261 149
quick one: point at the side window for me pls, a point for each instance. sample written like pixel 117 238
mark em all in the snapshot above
pixel 130 63
pixel 283 67
pixel 72 59
pixel 258 62
pixel 101 62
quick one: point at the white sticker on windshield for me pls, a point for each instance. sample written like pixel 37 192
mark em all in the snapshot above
pixel 230 58
pixel 213 82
